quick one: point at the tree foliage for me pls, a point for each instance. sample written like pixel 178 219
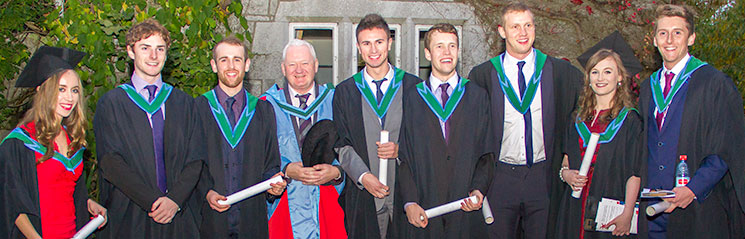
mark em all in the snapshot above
pixel 99 28
pixel 719 39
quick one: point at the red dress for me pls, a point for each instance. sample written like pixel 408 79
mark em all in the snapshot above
pixel 56 187
pixel 595 127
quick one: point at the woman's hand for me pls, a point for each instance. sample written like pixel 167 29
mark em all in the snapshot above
pixel 623 224
pixel 573 178
pixel 96 209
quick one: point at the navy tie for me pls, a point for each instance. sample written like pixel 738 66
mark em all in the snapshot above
pixel 526 117
pixel 379 96
pixel 444 96
pixel 303 125
pixel 231 114
pixel 157 127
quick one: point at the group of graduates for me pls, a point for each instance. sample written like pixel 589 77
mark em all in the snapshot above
pixel 167 160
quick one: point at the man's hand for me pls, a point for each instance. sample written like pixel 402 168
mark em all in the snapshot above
pixel 212 198
pixel 415 214
pixel 387 150
pixel 374 187
pixel 277 188
pixel 683 197
pixel 572 177
pixel 163 210
pixel 96 209
pixel 325 172
pixel 623 224
pixel 303 174
pixel 472 206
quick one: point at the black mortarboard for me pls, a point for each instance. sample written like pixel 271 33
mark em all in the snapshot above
pixel 318 145
pixel 47 61
pixel 617 44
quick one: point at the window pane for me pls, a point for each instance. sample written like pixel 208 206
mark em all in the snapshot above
pixel 425 67
pixel 323 43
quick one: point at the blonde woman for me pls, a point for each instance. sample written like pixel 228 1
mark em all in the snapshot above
pixel 43 188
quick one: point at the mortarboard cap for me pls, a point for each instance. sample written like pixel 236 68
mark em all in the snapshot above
pixel 318 145
pixel 47 61
pixel 617 44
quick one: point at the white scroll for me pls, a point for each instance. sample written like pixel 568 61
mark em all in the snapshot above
pixel 447 208
pixel 657 208
pixel 587 160
pixel 89 228
pixel 383 169
pixel 250 192
pixel 486 210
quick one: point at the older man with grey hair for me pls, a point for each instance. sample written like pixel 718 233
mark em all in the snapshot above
pixel 310 207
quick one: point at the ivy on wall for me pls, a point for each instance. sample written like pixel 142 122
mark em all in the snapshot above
pixel 99 28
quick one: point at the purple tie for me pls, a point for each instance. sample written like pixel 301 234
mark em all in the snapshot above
pixel 526 117
pixel 444 100
pixel 668 81
pixel 157 124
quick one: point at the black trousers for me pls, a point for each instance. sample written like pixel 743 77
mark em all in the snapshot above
pixel 519 195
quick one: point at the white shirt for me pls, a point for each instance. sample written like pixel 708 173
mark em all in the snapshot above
pixel 383 87
pixel 434 84
pixel 513 137
pixel 677 69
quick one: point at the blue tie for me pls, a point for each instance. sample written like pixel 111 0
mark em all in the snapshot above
pixel 379 96
pixel 526 117
pixel 157 124
pixel 231 114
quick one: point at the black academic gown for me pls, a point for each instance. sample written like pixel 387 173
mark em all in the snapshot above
pixel 616 162
pixel 713 122
pixel 433 172
pixel 558 104
pixel 128 185
pixel 20 191
pixel 360 219
pixel 260 158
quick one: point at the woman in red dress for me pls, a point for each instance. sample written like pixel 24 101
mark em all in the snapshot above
pixel 41 160
pixel 605 107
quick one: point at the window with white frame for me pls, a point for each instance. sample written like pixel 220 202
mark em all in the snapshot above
pixel 394 55
pixel 323 37
pixel 424 66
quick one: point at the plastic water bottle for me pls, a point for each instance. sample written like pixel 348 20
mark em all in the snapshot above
pixel 682 176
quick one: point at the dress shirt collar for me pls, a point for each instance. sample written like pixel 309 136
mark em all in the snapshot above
pixel 677 68
pixel 529 60
pixel 434 83
pixel 139 84
pixel 295 101
pixel 369 79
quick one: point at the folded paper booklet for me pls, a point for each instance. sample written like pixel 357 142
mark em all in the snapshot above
pixel 657 193
pixel 608 209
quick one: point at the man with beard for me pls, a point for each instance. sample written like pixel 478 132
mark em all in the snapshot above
pixel 310 208
pixel 531 96
pixel 374 94
pixel 241 148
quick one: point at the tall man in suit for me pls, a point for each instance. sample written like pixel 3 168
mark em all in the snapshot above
pixel 531 96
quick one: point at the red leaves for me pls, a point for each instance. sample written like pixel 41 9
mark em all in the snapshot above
pixel 576 2
pixel 589 10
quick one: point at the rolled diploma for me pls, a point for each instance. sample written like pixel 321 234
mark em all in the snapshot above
pixel 657 208
pixel 89 228
pixel 587 160
pixel 383 169
pixel 250 192
pixel 447 208
pixel 486 210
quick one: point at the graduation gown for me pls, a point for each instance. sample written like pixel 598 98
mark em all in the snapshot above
pixel 560 86
pixel 304 211
pixel 359 206
pixel 711 123
pixel 433 172
pixel 616 162
pixel 128 185
pixel 260 161
pixel 20 191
